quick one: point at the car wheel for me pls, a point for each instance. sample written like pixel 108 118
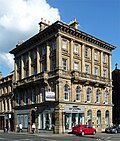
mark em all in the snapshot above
pixel 94 133
pixel 115 131
pixel 83 133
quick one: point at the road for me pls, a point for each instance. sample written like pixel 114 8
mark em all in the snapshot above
pixel 58 137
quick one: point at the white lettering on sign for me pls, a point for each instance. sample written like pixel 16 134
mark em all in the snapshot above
pixel 49 96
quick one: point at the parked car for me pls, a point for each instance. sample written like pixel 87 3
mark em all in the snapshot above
pixel 114 129
pixel 83 129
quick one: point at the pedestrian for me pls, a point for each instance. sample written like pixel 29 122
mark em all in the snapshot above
pixel 20 127
pixel 33 128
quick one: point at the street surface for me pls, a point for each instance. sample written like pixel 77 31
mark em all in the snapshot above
pixel 12 136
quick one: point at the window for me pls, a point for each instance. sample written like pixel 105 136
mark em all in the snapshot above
pixel 104 58
pixel 43 50
pixel 53 45
pixel 64 44
pixel 104 73
pixel 64 64
pixel 96 71
pixel 98 118
pixel 88 94
pixel 66 92
pixel 87 69
pixel 53 64
pixel 33 98
pixel 107 118
pixel 78 90
pixel 96 55
pixel 86 51
pixel 106 97
pixel 98 96
pixel 43 66
pixel 76 48
pixel 76 66
pixel 89 115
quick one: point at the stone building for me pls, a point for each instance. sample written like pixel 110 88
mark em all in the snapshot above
pixel 6 102
pixel 62 77
pixel 116 95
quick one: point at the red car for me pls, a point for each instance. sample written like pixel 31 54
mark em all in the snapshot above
pixel 83 129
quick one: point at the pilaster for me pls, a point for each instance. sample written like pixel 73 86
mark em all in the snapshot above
pixel 83 58
pixel 101 64
pixel 38 60
pixel 48 57
pixel 92 65
pixel 29 64
pixel 71 55
pixel 22 68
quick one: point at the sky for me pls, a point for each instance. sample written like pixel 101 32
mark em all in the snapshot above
pixel 19 21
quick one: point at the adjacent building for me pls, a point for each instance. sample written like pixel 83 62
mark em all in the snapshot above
pixel 6 102
pixel 62 77
pixel 116 95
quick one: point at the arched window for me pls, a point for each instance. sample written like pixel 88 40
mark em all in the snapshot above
pixel 78 90
pixel 89 120
pixel 88 94
pixel 98 118
pixel 107 120
pixel 66 92
pixel 98 96
pixel 106 97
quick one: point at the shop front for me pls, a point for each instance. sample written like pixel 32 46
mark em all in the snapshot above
pixel 73 115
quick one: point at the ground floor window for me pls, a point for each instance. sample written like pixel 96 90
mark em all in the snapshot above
pixel 72 119
pixel 98 118
pixel 107 118
pixel 23 119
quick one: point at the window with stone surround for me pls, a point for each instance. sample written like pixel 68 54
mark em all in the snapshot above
pixel 76 65
pixel 106 97
pixel 64 44
pixel 87 69
pixel 98 96
pixel 64 64
pixel 104 73
pixel 86 51
pixel 96 71
pixel 88 94
pixel 78 93
pixel 75 48
pixel 66 92
pixel 104 58
pixel 96 55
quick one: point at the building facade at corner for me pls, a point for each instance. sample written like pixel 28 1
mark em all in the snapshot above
pixel 62 77
pixel 6 102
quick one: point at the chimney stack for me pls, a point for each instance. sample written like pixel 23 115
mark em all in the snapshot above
pixel 0 75
pixel 74 24
pixel 43 24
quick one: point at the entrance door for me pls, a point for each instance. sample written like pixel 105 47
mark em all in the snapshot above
pixel 33 116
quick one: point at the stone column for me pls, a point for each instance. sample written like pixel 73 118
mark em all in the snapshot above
pixel 83 58
pixel 59 52
pixel 71 55
pixel 101 64
pixel 22 68
pixel 15 69
pixel 29 64
pixel 48 57
pixel 92 65
pixel 110 69
pixel 38 60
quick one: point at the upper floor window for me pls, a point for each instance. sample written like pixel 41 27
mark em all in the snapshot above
pixel 43 66
pixel 33 98
pixel 64 64
pixel 53 45
pixel 76 48
pixel 86 51
pixel 96 55
pixel 78 90
pixel 104 58
pixel 43 50
pixel 53 63
pixel 106 97
pixel 88 94
pixel 66 92
pixel 98 96
pixel 96 71
pixel 104 73
pixel 87 69
pixel 76 66
pixel 64 44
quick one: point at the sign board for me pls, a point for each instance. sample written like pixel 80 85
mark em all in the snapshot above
pixel 74 109
pixel 50 96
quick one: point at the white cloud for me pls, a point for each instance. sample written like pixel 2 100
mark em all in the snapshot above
pixel 19 20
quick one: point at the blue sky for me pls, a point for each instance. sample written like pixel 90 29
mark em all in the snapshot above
pixel 99 18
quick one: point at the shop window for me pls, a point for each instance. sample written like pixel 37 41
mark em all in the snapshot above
pixel 66 92
pixel 88 95
pixel 89 120
pixel 98 118
pixel 107 118
pixel 78 91
pixel 98 96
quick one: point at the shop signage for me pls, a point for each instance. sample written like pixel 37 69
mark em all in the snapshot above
pixel 74 109
pixel 50 96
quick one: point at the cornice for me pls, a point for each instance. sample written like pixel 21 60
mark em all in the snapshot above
pixel 59 26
